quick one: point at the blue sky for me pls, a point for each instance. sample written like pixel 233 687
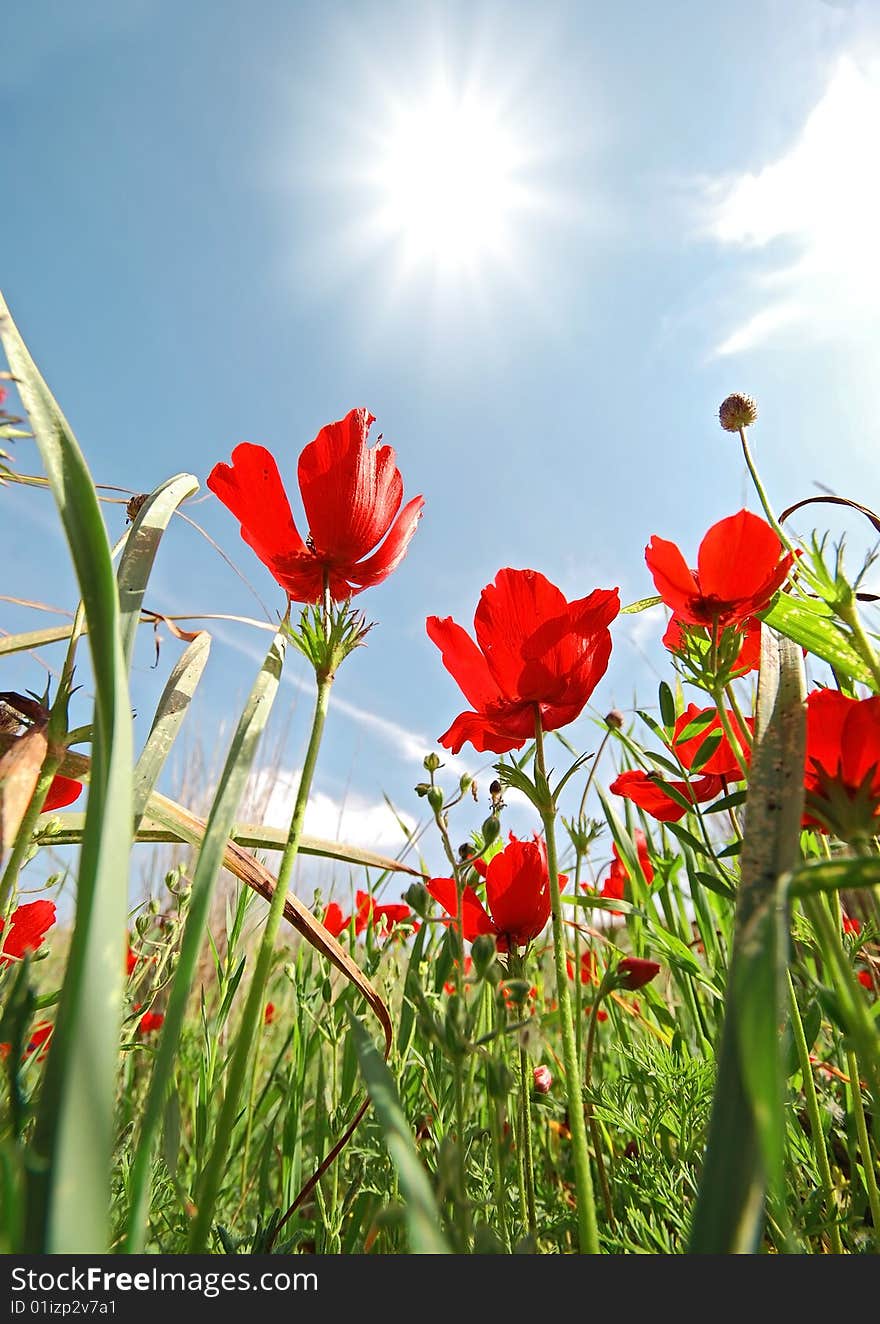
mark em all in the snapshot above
pixel 194 240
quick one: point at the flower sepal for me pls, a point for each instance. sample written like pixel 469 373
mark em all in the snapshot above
pixel 326 635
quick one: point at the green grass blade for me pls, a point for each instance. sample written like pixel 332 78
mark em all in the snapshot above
pixel 746 1132
pixel 213 845
pixel 69 1182
pixel 21 643
pixel 811 624
pixel 422 1214
pixel 172 709
pixel 137 560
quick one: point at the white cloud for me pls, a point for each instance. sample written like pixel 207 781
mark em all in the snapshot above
pixel 811 219
pixel 354 819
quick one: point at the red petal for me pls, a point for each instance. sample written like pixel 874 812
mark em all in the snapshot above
pixel 738 557
pixel 389 556
pixel 63 791
pixel 518 890
pixel 333 920
pixel 489 735
pixel 464 661
pixel 474 920
pixel 251 488
pixel 674 581
pixel 510 612
pixel 28 925
pixel 351 492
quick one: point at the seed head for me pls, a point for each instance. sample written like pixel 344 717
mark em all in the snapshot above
pixel 737 411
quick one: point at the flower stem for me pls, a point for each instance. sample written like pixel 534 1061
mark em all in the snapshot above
pixel 525 1139
pixel 253 1010
pixel 848 613
pixel 759 488
pixel 868 1161
pixel 814 1114
pixel 588 1231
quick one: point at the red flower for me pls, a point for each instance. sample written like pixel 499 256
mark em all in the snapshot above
pixel 615 884
pixel 131 959
pixel 517 894
pixel 740 565
pixel 588 967
pixel 351 494
pixel 150 1021
pixel 723 761
pixel 3 394
pixel 40 1036
pixel 63 791
pixel 851 925
pixel 269 1013
pixel 333 920
pixel 635 973
pixel 542 1079
pixel 864 977
pixel 842 774
pixel 648 791
pixel 28 926
pixel 535 652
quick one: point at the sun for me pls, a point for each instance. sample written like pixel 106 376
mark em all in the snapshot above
pixel 447 180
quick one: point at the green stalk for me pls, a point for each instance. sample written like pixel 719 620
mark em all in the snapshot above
pixel 759 488
pixel 814 1114
pixel 849 614
pixel 588 1231
pixel 525 1140
pixel 213 1174
pixel 868 1163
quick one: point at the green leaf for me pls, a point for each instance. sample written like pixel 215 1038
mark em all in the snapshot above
pixel 667 705
pixel 172 709
pixel 810 623
pixel 422 1215
pixel 69 1177
pixel 642 605
pixel 835 875
pixel 141 546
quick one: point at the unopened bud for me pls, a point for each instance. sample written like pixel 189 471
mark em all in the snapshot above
pixel 614 719
pixel 633 972
pixel 483 953
pixel 465 851
pixel 495 788
pixel 431 762
pixel 464 784
pixel 435 798
pixel 542 1080
pixel 490 829
pixel 417 898
pixel 737 411
pixel 422 789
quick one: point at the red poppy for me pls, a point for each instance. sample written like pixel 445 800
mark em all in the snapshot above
pixel 351 494
pixel 542 1079
pixel 131 959
pixel 842 774
pixel 150 1021
pixel 633 972
pixel 334 921
pixel 535 652
pixel 740 565
pixel 864 978
pixel 648 791
pixel 588 967
pixel 40 1036
pixel 748 633
pixel 269 1013
pixel 614 885
pixel 28 926
pixel 723 761
pixel 851 925
pixel 517 894
pixel 63 791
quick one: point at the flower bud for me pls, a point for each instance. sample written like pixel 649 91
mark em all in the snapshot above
pixel 327 991
pixel 431 762
pixel 633 972
pixel 737 411
pixel 417 898
pixel 495 788
pixel 542 1080
pixel 614 719
pixel 435 798
pixel 490 829
pixel 483 953
pixel 422 789
pixel 465 783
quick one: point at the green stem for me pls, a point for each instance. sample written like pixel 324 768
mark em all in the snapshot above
pixel 213 1173
pixel 588 1231
pixel 849 614
pixel 815 1116
pixel 868 1161
pixel 759 488
pixel 525 1140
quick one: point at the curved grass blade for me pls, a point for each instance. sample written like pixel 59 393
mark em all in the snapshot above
pixel 172 709
pixel 746 1133
pixel 141 547
pixel 69 1176
pixel 212 843
pixel 23 643
pixel 422 1214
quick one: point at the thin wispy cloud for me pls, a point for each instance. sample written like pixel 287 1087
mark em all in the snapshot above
pixel 810 220
pixel 365 822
